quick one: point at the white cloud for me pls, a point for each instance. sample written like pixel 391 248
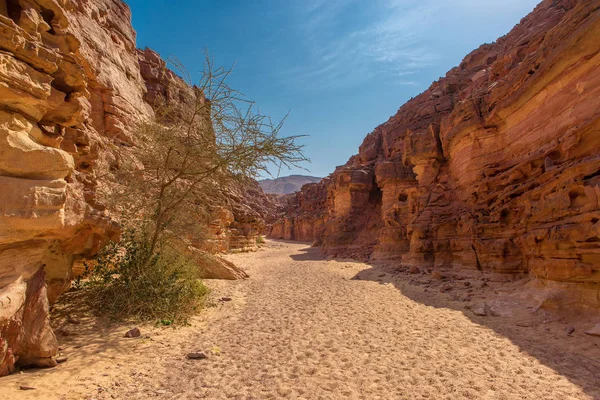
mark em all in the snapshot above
pixel 385 42
pixel 351 41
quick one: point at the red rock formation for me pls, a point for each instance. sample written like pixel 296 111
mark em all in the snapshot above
pixel 164 88
pixel 494 168
pixel 305 213
pixel 57 109
pixel 236 211
pixel 73 88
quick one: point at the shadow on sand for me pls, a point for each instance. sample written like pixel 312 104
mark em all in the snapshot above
pixel 309 254
pixel 540 334
pixel 87 340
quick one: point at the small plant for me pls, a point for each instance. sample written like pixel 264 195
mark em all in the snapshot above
pixel 130 280
pixel 220 138
pixel 260 239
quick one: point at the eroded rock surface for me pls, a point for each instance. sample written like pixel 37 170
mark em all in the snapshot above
pixel 54 104
pixel 495 168
pixel 73 88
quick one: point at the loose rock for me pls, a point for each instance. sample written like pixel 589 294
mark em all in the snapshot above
pixel 479 310
pixel 133 333
pixel 414 270
pixel 200 355
pixel 438 275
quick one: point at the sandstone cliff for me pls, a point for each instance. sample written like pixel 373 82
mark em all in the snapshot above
pixel 495 168
pixel 73 87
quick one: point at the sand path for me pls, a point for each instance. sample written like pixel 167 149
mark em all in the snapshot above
pixel 302 328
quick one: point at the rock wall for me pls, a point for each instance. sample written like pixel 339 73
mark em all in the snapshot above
pixel 73 87
pixel 235 213
pixel 305 213
pixel 495 168
pixel 58 106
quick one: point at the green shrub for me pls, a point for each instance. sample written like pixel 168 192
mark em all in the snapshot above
pixel 260 240
pixel 129 280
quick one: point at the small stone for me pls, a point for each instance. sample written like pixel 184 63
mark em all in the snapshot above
pixel 414 270
pixel 381 275
pixel 437 275
pixel 26 387
pixel 133 333
pixel 63 332
pixel 61 359
pixel 225 299
pixel 199 355
pixel 446 288
pixel 73 321
pixel 570 330
pixel 494 312
pixel 479 310
pixel 595 331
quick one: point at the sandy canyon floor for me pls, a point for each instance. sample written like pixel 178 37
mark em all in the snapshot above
pixel 303 327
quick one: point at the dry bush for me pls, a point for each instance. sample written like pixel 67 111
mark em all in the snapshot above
pixel 130 281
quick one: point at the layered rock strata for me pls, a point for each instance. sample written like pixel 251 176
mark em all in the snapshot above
pixel 235 211
pixel 73 88
pixel 494 168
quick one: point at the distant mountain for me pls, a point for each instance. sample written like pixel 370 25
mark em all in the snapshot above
pixel 287 184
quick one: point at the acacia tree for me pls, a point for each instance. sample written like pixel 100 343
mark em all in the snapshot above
pixel 223 136
pixel 180 155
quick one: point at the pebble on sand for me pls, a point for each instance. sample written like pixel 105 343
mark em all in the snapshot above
pixel 133 333
pixel 61 359
pixel 198 355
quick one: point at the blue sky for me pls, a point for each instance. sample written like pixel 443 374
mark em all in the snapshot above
pixel 341 67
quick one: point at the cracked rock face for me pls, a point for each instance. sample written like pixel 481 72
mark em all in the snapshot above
pixel 73 88
pixel 494 168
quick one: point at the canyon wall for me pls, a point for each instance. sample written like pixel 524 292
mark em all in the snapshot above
pixel 495 168
pixel 73 88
